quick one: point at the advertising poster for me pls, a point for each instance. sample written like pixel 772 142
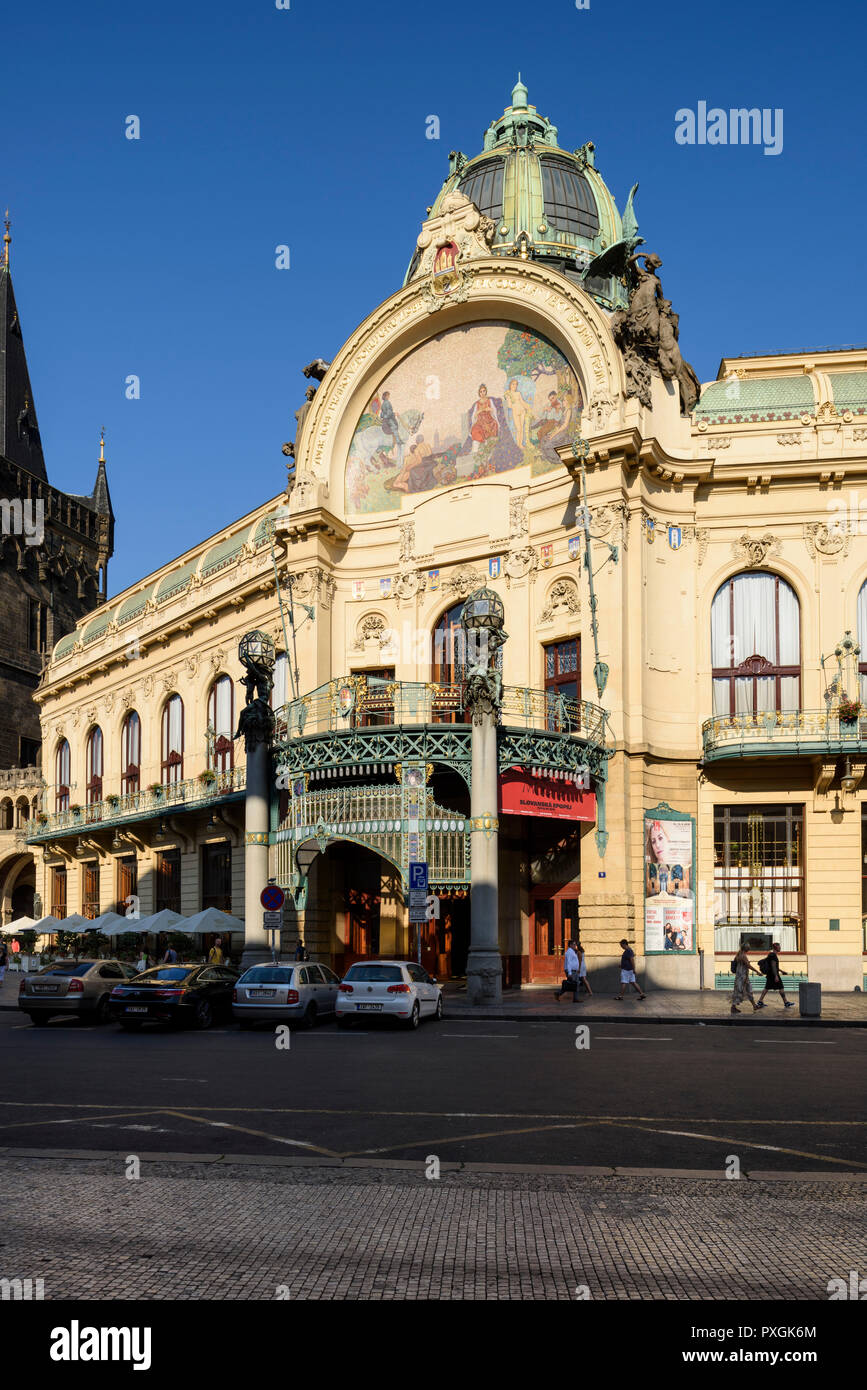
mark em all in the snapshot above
pixel 669 884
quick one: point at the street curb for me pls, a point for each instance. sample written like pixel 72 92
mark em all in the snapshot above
pixel 723 1021
pixel 418 1166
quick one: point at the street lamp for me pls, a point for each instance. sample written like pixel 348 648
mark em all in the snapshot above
pixel 848 781
pixel 256 648
pixel 483 613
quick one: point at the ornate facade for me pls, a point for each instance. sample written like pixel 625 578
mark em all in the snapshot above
pixel 681 742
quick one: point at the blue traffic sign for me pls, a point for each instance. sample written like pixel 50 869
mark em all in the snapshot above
pixel 418 875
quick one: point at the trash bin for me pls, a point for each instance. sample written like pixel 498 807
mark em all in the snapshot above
pixel 810 1000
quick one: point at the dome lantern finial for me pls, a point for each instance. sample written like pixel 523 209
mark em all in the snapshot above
pixel 519 94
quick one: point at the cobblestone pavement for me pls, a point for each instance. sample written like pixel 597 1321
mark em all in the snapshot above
pixel 660 1006
pixel 245 1230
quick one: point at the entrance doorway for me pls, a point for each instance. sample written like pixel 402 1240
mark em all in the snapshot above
pixel 445 943
pixel 554 923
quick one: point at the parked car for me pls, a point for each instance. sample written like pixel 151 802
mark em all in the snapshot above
pixel 292 993
pixel 190 993
pixel 81 987
pixel 396 989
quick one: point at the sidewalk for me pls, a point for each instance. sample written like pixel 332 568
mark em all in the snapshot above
pixel 537 1003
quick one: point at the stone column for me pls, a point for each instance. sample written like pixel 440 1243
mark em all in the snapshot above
pixel 256 819
pixel 484 963
pixel 256 724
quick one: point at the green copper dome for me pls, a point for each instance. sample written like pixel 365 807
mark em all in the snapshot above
pixel 546 203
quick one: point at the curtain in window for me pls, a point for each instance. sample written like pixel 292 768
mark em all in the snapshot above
pixel 754 617
pixel 862 636
pixel 174 725
pixel 279 695
pixel 131 751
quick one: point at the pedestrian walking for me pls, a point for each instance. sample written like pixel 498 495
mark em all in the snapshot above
pixel 741 967
pixel 571 968
pixel 215 955
pixel 582 969
pixel 4 960
pixel 170 957
pixel 301 951
pixel 627 971
pixel 770 968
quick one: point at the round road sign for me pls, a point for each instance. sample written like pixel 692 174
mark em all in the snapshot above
pixel 272 898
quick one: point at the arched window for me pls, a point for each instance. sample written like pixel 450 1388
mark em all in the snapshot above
pixel 862 640
pixel 6 814
pixel 755 646
pixel 221 709
pixel 130 754
pixel 93 760
pixel 22 811
pixel 172 761
pixel 449 647
pixel 61 776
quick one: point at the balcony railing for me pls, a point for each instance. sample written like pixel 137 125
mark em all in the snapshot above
pixel 113 810
pixel 351 703
pixel 782 731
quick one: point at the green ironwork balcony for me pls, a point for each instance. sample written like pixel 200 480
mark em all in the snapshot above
pixel 192 794
pixel 781 732
pixel 354 702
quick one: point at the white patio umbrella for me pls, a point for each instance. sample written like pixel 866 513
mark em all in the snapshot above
pixel 47 925
pixel 211 919
pixel 112 924
pixel 75 923
pixel 20 924
pixel 161 921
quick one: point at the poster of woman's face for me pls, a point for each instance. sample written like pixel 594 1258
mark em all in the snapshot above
pixel 669 911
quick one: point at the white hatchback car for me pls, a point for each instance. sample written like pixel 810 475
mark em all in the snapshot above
pixel 396 989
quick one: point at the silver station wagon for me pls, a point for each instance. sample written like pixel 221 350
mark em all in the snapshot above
pixel 79 987
pixel 285 993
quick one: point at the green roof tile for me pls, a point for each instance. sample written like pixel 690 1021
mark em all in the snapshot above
pixel 850 391
pixel 762 398
pixel 223 554
pixel 134 605
pixel 175 583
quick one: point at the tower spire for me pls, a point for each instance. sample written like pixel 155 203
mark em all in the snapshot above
pixel 102 444
pixel 6 240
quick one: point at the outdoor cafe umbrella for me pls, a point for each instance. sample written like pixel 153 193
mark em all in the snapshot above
pixel 112 924
pixel 164 921
pixel 20 924
pixel 76 924
pixel 211 919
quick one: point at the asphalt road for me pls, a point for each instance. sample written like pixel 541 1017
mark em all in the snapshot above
pixel 510 1093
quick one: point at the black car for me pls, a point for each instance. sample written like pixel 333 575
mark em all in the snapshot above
pixel 193 994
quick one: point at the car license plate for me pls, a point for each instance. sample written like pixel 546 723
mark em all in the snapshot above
pixel 44 989
pixel 136 1008
pixel 262 993
pixel 374 1008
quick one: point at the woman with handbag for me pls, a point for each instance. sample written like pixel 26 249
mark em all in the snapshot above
pixel 741 968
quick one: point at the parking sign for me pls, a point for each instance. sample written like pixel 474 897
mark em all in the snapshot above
pixel 418 876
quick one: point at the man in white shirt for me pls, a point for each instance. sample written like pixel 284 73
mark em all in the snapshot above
pixel 571 967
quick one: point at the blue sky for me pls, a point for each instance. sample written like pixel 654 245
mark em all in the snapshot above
pixel 306 126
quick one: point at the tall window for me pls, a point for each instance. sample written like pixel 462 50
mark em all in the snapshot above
pixel 58 891
pixel 217 876
pixel 862 640
pixel 221 747
pixel 173 741
pixel 562 678
pixel 61 776
pixel 38 624
pixel 6 814
pixel 22 811
pixel 94 766
pixel 377 701
pixel 127 883
pixel 168 880
pixel 759 876
pixel 449 663
pixel 755 646
pixel 90 890
pixel 130 754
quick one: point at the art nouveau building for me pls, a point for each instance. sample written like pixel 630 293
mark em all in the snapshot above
pixel 687 774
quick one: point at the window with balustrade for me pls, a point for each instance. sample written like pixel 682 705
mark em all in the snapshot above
pixel 168 880
pixel 221 710
pixel 61 776
pixel 759 877
pixel 93 766
pixel 90 890
pixel 58 891
pixel 172 742
pixel 562 682
pixel 130 754
pixel 755 646
pixel 217 875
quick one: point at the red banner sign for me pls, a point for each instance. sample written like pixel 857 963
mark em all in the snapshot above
pixel 523 795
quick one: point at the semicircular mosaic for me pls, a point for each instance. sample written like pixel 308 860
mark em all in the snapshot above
pixel 476 400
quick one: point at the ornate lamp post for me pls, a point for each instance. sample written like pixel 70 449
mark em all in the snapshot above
pixel 482 623
pixel 256 724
